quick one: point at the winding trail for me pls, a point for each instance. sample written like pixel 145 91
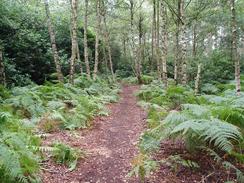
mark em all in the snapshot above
pixel 110 145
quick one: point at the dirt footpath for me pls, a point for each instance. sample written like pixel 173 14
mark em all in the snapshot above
pixel 110 145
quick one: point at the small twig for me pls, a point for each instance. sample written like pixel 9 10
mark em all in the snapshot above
pixel 204 178
pixel 48 170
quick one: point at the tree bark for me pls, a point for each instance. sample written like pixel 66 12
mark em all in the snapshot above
pixel 79 60
pixel 125 43
pixel 157 40
pixel 183 62
pixel 177 44
pixel 197 80
pixel 2 70
pixel 53 42
pixel 88 72
pixel 155 37
pixel 164 43
pixel 235 57
pixel 135 53
pixel 74 7
pixel 107 40
pixel 139 56
pixel 194 43
pixel 97 39
pixel 152 47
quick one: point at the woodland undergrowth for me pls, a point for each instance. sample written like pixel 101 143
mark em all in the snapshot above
pixel 28 113
pixel 212 123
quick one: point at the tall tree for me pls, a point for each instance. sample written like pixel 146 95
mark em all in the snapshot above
pixel 136 47
pixel 132 40
pixel 140 47
pixel 74 42
pixel 53 42
pixel 98 16
pixel 107 39
pixel 164 30
pixel 158 39
pixel 183 67
pixel 177 42
pixel 235 57
pixel 79 60
pixel 86 56
pixel 2 70
pixel 197 79
pixel 155 37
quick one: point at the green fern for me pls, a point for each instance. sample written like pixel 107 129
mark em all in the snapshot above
pixel 215 132
pixel 64 154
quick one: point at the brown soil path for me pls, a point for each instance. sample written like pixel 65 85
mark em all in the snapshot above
pixel 110 145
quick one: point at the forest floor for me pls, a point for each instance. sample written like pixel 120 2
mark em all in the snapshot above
pixel 110 145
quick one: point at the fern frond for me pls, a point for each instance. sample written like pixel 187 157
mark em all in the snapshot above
pixel 220 133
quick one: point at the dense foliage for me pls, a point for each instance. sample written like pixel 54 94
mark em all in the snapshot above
pixel 48 108
pixel 210 123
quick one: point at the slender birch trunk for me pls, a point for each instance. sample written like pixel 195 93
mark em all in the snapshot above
pixel 105 55
pixel 157 39
pixel 183 45
pixel 164 43
pixel 235 56
pixel 2 70
pixel 53 43
pixel 177 44
pixel 79 60
pixel 155 36
pixel 135 50
pixel 124 44
pixel 152 48
pixel 194 43
pixel 97 39
pixel 74 7
pixel 198 77
pixel 88 72
pixel 139 56
pixel 107 41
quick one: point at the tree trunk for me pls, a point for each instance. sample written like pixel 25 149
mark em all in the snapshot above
pixel 53 42
pixel 157 39
pixel 135 53
pixel 194 43
pixel 74 7
pixel 235 57
pixel 183 62
pixel 139 57
pixel 124 44
pixel 164 43
pixel 2 70
pixel 107 41
pixel 176 59
pixel 79 60
pixel 105 55
pixel 88 73
pixel 177 44
pixel 97 39
pixel 152 47
pixel 155 36
pixel 197 80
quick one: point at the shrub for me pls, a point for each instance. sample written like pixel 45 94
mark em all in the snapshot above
pixel 146 79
